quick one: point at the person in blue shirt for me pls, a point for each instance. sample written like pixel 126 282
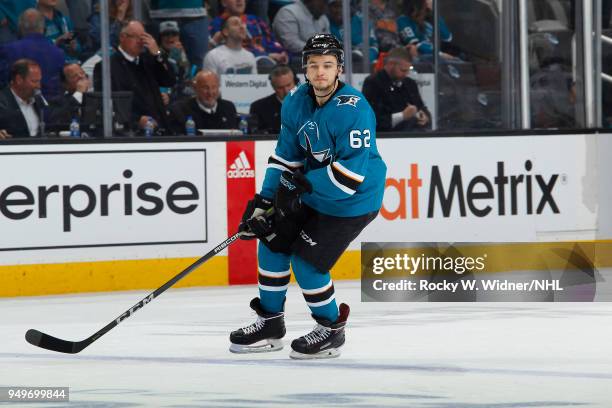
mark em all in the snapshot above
pixel 119 13
pixel 334 13
pixel 416 29
pixel 324 183
pixel 35 46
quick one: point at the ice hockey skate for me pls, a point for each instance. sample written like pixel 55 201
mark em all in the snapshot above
pixel 324 341
pixel 264 335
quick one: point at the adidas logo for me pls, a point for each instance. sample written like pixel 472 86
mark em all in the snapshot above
pixel 241 168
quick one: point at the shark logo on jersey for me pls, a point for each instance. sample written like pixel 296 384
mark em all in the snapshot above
pixel 310 132
pixel 347 100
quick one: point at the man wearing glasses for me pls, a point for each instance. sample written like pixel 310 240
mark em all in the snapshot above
pixel 141 67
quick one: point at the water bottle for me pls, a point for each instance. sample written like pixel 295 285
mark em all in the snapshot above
pixel 243 125
pixel 75 128
pixel 190 129
pixel 149 127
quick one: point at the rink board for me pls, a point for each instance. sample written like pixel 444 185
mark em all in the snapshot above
pixel 118 216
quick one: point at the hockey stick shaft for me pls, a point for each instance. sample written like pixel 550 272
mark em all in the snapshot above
pixel 49 342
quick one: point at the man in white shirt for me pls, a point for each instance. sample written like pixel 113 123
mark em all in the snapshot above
pixel 231 57
pixel 19 111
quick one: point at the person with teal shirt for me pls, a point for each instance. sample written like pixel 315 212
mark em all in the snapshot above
pixel 334 14
pixel 416 29
pixel 60 30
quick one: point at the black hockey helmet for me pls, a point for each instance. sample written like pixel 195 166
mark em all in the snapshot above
pixel 323 44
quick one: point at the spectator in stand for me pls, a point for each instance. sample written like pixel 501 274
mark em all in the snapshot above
pixel 260 8
pixel 260 40
pixel 264 116
pixel 33 45
pixel 68 106
pixel 20 111
pixel 79 11
pixel 10 10
pixel 334 14
pixel 297 22
pixel 119 12
pixel 416 29
pixel 141 67
pixel 231 57
pixel 59 29
pixel 206 108
pixel 394 97
pixel 193 20
pixel 383 18
pixel 170 43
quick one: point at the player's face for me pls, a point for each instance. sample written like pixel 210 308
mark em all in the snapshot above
pixel 322 70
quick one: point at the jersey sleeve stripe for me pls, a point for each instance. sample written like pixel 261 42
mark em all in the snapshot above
pixel 357 177
pixel 282 164
pixel 337 183
pixel 346 177
pixel 278 166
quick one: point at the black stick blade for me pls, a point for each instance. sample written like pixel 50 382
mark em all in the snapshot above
pixel 42 340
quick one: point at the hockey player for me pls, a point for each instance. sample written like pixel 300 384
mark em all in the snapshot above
pixel 325 181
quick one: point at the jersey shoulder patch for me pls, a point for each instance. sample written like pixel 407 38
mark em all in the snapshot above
pixel 347 100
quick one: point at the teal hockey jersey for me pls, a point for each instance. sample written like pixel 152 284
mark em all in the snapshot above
pixel 334 145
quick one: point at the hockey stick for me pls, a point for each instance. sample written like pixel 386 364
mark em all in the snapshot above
pixel 48 342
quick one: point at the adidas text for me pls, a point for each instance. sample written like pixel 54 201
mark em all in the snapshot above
pixel 241 167
pixel 240 173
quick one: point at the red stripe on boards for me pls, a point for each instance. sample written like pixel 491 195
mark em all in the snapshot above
pixel 240 174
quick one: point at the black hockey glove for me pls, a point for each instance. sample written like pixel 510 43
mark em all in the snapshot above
pixel 290 187
pixel 254 223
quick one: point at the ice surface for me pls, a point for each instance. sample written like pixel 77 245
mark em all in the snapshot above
pixel 174 353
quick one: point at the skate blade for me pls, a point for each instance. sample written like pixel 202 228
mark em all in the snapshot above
pixel 263 346
pixel 330 353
